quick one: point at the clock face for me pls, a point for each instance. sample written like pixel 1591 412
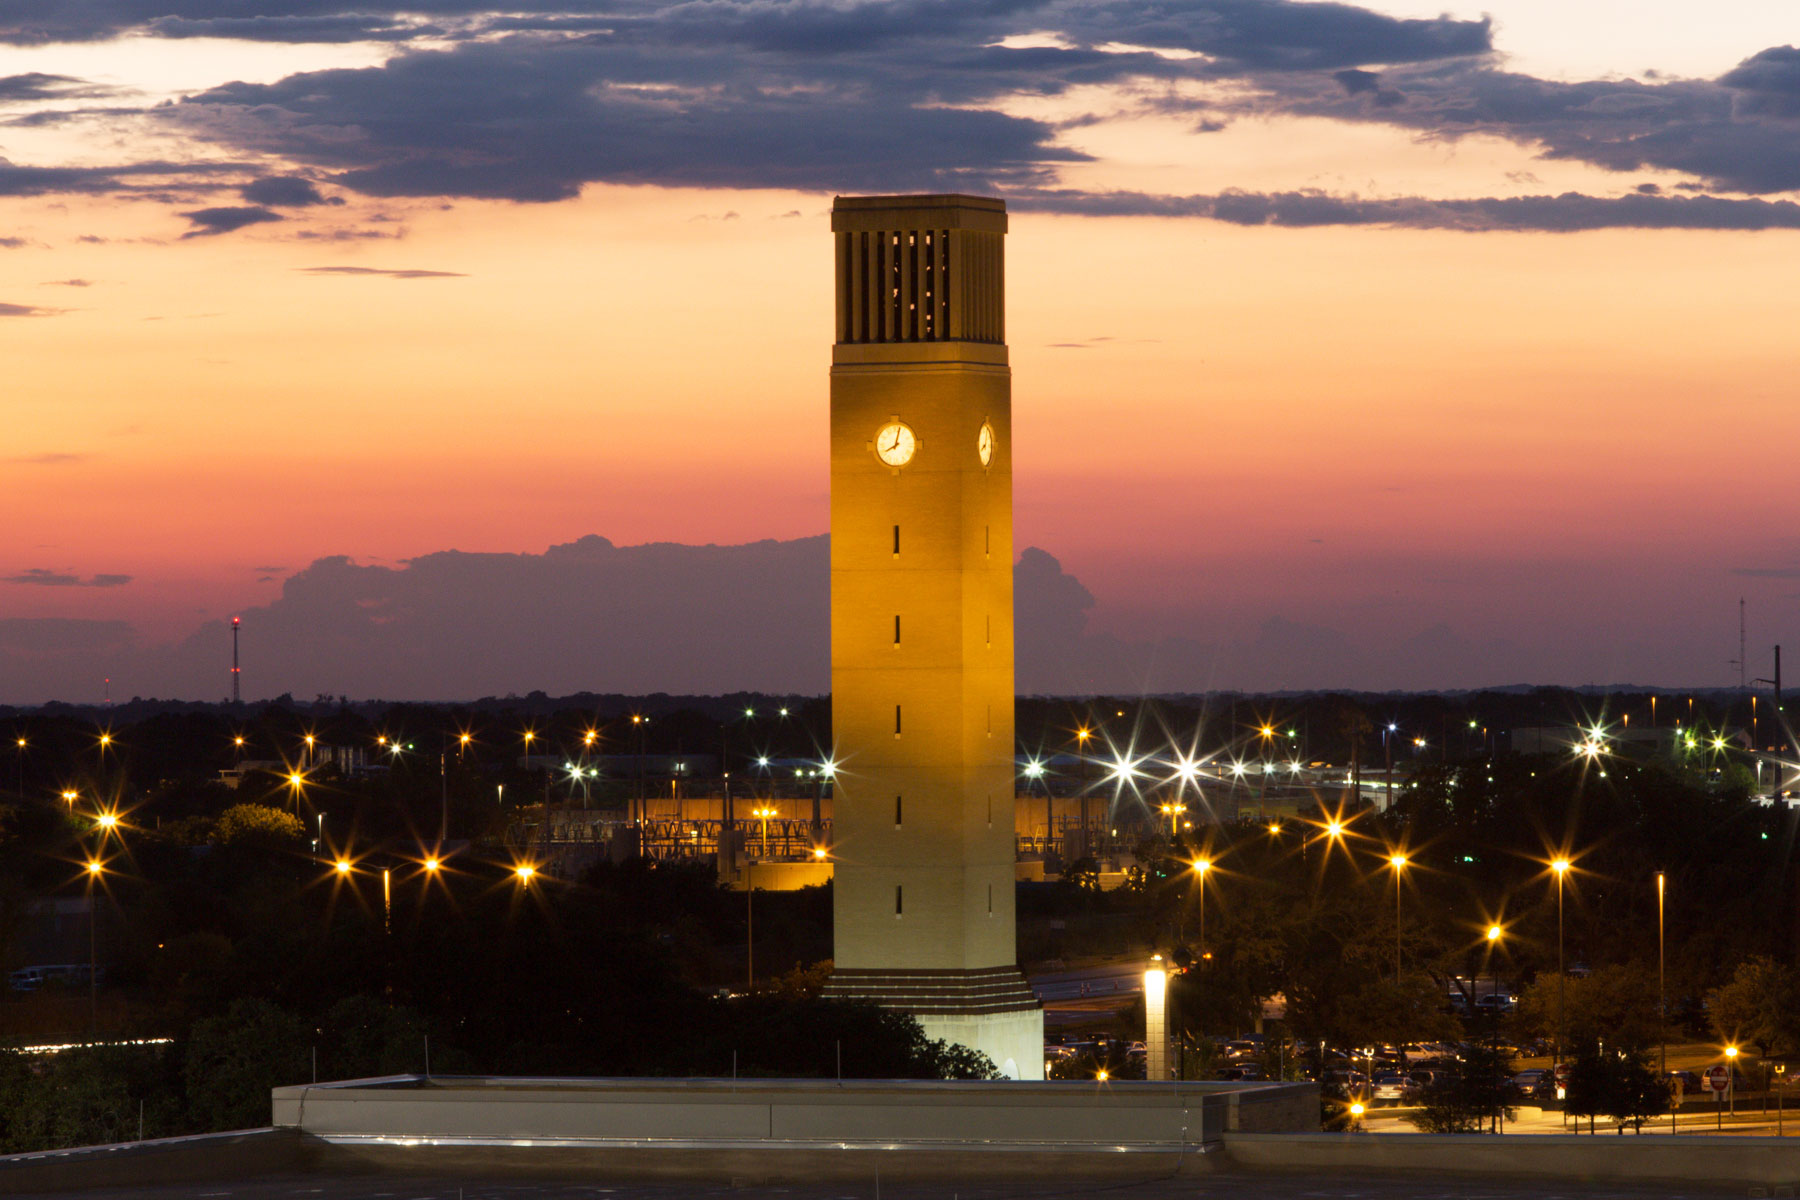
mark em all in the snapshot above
pixel 895 444
pixel 984 444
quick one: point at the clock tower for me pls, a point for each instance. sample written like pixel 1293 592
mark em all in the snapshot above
pixel 922 623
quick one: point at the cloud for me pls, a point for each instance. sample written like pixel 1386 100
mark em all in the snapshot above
pixel 12 243
pixel 75 283
pixel 1570 212
pixel 536 102
pixel 1767 83
pixel 38 86
pixel 43 577
pixel 285 191
pixel 390 273
pixel 325 28
pixel 27 310
pixel 49 459
pixel 211 221
pixel 1768 572
pixel 43 181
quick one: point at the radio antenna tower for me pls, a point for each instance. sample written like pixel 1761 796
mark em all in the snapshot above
pixel 236 698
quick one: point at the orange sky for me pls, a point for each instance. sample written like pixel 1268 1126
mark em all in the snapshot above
pixel 1365 428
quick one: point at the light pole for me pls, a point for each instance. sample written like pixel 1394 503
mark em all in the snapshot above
pixel 638 721
pixel 1200 869
pixel 1662 1004
pixel 1034 770
pixel 1174 811
pixel 1561 867
pixel 1081 749
pixel 763 812
pixel 94 869
pixel 1731 1054
pixel 1493 940
pixel 1398 863
pixel 20 787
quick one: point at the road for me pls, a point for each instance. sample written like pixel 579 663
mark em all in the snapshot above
pixel 1109 979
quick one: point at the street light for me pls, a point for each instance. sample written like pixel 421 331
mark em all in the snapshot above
pixel 1561 867
pixel 1731 1053
pixel 763 812
pixel 1201 867
pixel 1174 811
pixel 95 869
pixel 1398 862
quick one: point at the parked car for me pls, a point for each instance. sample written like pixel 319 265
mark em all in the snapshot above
pixel 1247 1072
pixel 1243 1048
pixel 1388 1089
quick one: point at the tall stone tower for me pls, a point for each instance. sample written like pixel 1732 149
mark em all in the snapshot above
pixel 922 623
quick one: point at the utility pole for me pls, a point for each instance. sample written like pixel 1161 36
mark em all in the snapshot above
pixel 1775 683
pixel 236 695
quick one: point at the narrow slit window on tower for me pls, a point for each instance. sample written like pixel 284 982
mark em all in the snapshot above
pixel 896 541
pixel 990 800
pixel 990 899
pixel 896 812
pixel 987 540
pixel 896 720
pixel 898 909
pixel 990 722
pixel 896 629
pixel 990 631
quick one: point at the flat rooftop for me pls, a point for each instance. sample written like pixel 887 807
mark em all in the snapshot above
pixel 1235 1185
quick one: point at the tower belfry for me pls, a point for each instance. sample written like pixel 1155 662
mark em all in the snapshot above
pixel 922 623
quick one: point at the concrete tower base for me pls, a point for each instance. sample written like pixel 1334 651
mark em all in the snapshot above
pixel 1014 1040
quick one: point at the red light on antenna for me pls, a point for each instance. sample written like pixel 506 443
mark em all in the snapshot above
pixel 235 620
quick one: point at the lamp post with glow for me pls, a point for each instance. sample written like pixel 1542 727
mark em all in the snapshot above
pixel 1731 1057
pixel 95 869
pixel 1173 811
pixel 1082 736
pixel 20 787
pixel 1662 1004
pixel 1397 862
pixel 1494 933
pixel 1034 771
pixel 1561 867
pixel 1201 867
pixel 763 812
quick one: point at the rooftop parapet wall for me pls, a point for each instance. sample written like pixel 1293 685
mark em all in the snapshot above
pixel 784 1114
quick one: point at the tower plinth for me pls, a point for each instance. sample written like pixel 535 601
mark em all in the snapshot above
pixel 922 623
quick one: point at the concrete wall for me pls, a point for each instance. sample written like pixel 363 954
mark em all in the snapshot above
pixel 1113 1118
pixel 1711 1160
pixel 211 1156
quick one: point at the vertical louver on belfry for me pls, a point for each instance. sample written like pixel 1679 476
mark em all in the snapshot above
pixel 920 285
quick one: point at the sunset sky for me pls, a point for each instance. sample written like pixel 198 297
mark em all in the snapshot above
pixel 1459 347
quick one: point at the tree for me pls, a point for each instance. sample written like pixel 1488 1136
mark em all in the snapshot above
pixel 1413 1010
pixel 1614 1083
pixel 1760 1005
pixel 1468 1098
pixel 1613 1005
pixel 233 1061
pixel 257 823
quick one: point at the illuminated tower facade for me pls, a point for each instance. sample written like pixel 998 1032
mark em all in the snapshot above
pixel 922 623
